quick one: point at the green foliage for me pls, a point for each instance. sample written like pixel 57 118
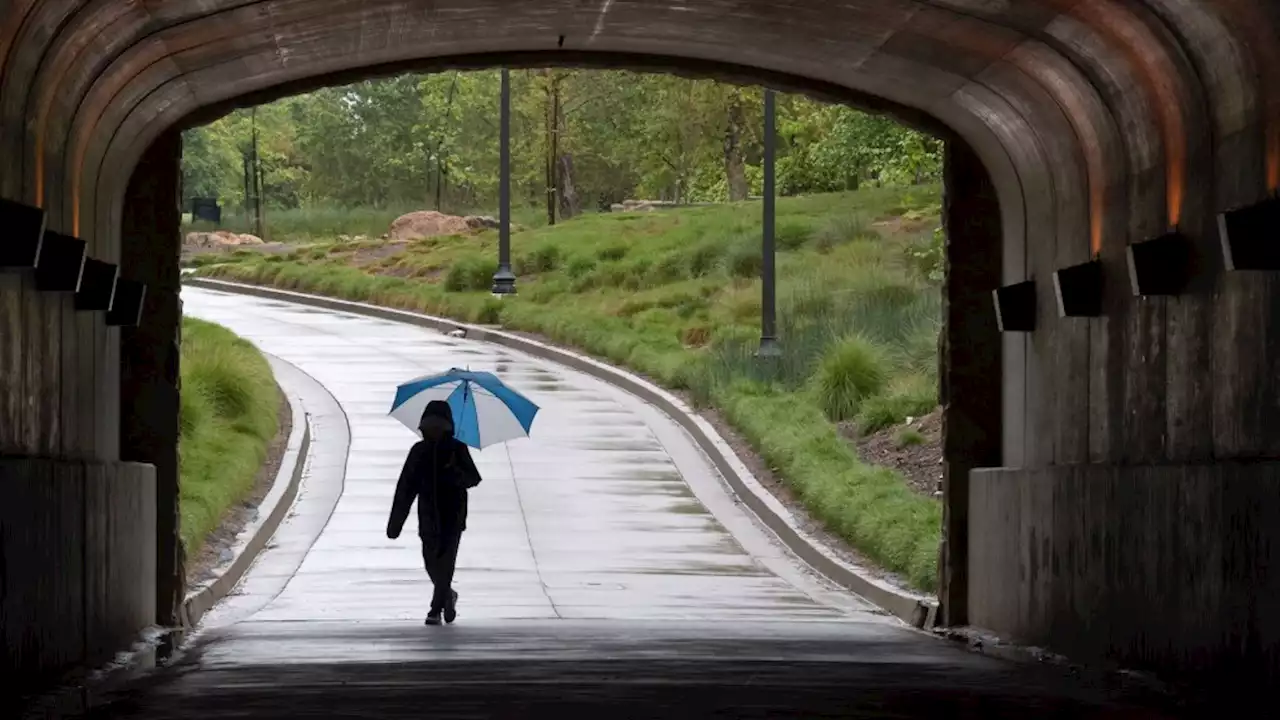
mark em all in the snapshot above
pixel 745 260
pixel 910 437
pixel 705 257
pixel 839 230
pixel 908 396
pixel 542 260
pixel 471 274
pixel 613 252
pixel 850 372
pixel 791 235
pixel 929 257
pixel 658 292
pixel 388 146
pixel 871 507
pixel 228 415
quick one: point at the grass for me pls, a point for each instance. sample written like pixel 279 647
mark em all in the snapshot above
pixel 229 415
pixel 910 437
pixel 675 295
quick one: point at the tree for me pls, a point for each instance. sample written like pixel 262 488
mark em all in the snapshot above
pixel 579 138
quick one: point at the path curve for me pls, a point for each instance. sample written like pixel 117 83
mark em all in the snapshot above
pixel 608 511
pixel 607 570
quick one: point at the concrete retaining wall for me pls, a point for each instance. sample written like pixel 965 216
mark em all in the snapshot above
pixel 77 565
pixel 1171 568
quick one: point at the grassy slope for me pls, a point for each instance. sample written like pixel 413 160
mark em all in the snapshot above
pixel 675 295
pixel 229 415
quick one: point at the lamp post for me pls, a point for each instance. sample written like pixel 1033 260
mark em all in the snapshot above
pixel 504 281
pixel 768 289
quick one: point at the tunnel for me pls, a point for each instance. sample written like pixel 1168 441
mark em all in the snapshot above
pixel 1111 346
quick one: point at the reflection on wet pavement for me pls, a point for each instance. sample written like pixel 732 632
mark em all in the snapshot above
pixel 593 492
pixel 605 569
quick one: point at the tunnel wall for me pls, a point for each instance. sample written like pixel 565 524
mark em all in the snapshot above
pixel 1173 567
pixel 77 565
pixel 1100 121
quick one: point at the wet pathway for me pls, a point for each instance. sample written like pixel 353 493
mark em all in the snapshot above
pixel 594 516
pixel 605 566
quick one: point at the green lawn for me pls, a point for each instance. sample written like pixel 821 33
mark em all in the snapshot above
pixel 229 416
pixel 675 295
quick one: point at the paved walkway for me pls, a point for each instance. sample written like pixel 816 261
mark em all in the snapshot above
pixel 605 566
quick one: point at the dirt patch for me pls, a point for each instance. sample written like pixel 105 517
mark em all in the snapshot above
pixel 189 253
pixel 913 449
pixel 366 256
pixel 217 547
pixel 898 225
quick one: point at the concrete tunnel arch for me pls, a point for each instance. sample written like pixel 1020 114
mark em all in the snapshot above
pixel 1076 127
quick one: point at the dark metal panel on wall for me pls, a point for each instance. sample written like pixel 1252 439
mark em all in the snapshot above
pixel 61 263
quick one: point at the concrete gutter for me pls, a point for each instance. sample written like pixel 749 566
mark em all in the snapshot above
pixel 916 610
pixel 271 512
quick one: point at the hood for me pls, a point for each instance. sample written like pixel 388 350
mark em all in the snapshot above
pixel 440 409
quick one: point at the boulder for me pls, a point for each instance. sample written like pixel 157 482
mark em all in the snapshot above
pixel 481 222
pixel 424 224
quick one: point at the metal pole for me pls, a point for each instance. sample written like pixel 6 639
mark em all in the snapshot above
pixel 504 281
pixel 768 300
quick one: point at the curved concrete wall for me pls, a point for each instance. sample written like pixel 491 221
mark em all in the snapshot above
pixel 77 549
pixel 1096 123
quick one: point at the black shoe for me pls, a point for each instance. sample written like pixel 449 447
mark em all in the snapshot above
pixel 433 617
pixel 451 612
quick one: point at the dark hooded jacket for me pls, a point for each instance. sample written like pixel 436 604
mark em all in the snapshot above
pixel 437 474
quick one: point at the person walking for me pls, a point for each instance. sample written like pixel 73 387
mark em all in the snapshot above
pixel 437 473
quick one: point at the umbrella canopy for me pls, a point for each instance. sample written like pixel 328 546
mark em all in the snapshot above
pixel 485 410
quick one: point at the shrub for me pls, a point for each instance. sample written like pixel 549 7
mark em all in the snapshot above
pixel 909 396
pixel 471 274
pixel 542 260
pixel 839 230
pixel 928 258
pixel 488 312
pixel 580 267
pixel 850 371
pixel 669 269
pixel 704 258
pixel 613 252
pixel 910 437
pixel 790 235
pixel 745 261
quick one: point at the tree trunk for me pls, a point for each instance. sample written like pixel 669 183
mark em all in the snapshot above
pixel 565 192
pixel 549 159
pixel 735 166
pixel 568 195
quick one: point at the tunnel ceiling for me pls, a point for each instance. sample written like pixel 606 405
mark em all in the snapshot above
pixel 1099 120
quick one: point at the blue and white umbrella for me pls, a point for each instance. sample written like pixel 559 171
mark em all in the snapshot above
pixel 485 410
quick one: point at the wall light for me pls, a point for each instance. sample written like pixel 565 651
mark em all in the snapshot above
pixel 97 286
pixel 1079 290
pixel 1160 266
pixel 61 263
pixel 126 306
pixel 21 233
pixel 1016 307
pixel 1250 236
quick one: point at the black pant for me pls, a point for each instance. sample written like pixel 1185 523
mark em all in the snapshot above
pixel 440 555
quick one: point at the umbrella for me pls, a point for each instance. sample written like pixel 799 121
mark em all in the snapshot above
pixel 485 410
